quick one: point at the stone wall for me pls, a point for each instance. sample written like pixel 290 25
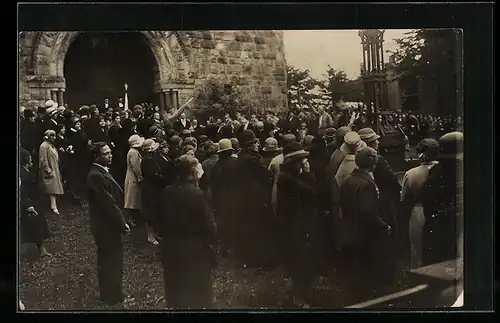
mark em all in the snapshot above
pixel 257 57
pixel 186 61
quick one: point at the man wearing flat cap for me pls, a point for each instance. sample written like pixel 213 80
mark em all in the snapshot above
pixel 364 231
pixel 385 178
pixel 390 189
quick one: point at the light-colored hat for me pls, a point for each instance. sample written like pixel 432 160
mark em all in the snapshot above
pixel 149 145
pixel 61 108
pixel 308 140
pixel 48 133
pixel 352 138
pixel 271 144
pixel 341 132
pixel 451 145
pixel 49 103
pixel 51 111
pixel 225 145
pixel 368 135
pixel 135 141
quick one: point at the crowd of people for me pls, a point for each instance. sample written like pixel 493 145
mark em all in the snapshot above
pixel 307 190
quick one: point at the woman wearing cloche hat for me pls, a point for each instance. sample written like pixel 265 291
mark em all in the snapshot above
pixel 50 175
pixel 133 178
pixel 270 150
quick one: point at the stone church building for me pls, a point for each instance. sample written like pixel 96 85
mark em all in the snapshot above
pixel 162 67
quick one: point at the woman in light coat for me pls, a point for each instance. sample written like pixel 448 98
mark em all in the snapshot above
pixel 50 175
pixel 411 197
pixel 133 178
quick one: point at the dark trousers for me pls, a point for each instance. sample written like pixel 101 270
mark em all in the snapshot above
pixel 110 268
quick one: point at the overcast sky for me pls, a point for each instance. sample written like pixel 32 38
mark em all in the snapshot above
pixel 316 49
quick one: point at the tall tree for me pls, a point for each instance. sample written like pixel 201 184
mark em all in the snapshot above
pixel 431 55
pixel 302 87
pixel 338 86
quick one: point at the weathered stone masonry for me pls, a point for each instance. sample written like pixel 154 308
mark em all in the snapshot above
pixel 185 60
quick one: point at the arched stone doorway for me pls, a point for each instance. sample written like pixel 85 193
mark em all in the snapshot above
pixel 171 52
pixel 97 65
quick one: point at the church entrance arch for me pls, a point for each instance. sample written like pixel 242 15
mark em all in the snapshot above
pixel 98 65
pixel 83 65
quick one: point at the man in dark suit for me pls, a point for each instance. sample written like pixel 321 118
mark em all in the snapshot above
pixel 182 123
pixel 107 225
pixel 290 124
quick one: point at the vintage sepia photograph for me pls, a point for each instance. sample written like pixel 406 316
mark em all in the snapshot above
pixel 240 169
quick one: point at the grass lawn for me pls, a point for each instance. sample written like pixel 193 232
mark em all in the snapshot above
pixel 67 281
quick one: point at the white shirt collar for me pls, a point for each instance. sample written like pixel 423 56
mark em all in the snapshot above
pixel 103 167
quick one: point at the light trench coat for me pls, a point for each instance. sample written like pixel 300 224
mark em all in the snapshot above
pixel 50 175
pixel 413 182
pixel 133 178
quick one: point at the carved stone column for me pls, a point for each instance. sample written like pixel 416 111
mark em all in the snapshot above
pixel 60 97
pixel 174 96
pixel 53 94
pixel 162 102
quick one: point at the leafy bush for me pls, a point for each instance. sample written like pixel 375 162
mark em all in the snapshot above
pixel 216 98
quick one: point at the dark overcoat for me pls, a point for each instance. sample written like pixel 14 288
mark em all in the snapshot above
pixel 187 230
pixel 30 136
pixel 79 162
pixel 254 225
pixel 34 228
pixel 101 135
pixel 365 237
pixel 389 187
pixel 361 221
pixel 223 187
pixel 443 210
pixel 297 210
pixel 152 186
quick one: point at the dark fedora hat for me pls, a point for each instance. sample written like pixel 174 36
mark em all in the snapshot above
pixel 247 137
pixel 293 151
